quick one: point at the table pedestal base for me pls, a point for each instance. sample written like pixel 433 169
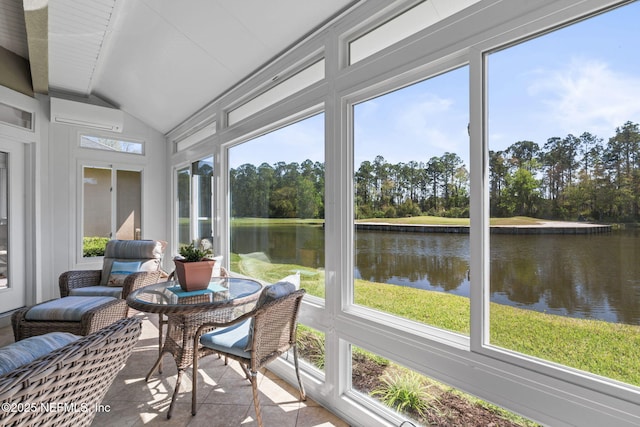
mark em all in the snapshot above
pixel 179 342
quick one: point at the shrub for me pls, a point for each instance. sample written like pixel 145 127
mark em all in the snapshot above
pixel 191 253
pixel 390 212
pixel 94 246
pixel 405 392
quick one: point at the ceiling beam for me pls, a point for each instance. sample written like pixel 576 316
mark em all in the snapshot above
pixel 36 18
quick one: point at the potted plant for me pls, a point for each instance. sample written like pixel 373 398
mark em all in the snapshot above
pixel 194 267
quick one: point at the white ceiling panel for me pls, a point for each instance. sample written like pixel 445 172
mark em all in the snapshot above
pixel 160 72
pixel 163 60
pixel 166 59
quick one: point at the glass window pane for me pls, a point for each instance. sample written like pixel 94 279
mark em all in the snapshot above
pixel 196 137
pixel 128 205
pixel 564 145
pixel 411 151
pixel 310 344
pixel 96 210
pixel 277 205
pixel 4 220
pixel 402 26
pixel 15 117
pixel 293 84
pixel 421 399
pixel 108 144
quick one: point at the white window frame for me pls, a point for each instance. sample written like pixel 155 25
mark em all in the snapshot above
pixel 536 389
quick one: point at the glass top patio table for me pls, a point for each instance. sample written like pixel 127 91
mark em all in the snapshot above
pixel 225 299
pixel 169 298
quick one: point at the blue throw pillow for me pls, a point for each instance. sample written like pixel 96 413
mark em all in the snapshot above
pixel 271 293
pixel 120 270
pixel 29 349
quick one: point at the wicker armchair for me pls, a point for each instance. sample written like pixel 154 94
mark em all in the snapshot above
pixel 148 253
pixel 253 339
pixel 77 375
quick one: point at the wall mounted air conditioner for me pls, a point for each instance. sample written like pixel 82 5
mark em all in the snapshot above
pixel 86 115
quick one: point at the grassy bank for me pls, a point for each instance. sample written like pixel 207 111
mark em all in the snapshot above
pixel 603 348
pixel 416 220
pixel 437 220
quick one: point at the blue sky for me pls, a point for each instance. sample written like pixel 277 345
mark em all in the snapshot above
pixel 585 77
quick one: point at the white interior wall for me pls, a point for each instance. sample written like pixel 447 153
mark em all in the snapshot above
pixel 65 163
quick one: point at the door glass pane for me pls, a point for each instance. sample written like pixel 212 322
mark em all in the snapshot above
pixel 128 199
pixel 4 220
pixel 97 210
pixel 411 193
pixel 564 141
pixel 184 206
pixel 202 179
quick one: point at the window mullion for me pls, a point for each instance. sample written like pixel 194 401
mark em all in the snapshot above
pixel 479 205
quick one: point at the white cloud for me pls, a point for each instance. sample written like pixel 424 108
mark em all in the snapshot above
pixel 433 121
pixel 587 95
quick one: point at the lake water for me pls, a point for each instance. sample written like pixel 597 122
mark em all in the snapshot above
pixel 587 276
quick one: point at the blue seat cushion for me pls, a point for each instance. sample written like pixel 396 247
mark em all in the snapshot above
pixel 97 291
pixel 29 349
pixel 67 309
pixel 232 339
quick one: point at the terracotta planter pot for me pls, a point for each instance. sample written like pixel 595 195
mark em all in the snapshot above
pixel 194 276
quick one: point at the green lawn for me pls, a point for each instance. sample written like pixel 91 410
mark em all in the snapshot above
pixel 602 348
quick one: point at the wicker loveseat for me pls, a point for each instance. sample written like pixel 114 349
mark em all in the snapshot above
pixel 66 386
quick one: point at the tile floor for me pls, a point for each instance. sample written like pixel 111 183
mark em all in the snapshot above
pixel 224 395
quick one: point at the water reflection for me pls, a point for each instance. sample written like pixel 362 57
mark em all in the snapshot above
pixel 590 276
pixel 419 260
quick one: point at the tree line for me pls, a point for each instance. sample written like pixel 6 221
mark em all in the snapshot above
pixel 575 177
pixel 282 190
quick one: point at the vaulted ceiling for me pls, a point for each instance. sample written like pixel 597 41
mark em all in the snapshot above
pixel 158 60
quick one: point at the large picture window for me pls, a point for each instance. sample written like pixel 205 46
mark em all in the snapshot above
pixel 277 205
pixel 464 167
pixel 411 153
pixel 564 144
